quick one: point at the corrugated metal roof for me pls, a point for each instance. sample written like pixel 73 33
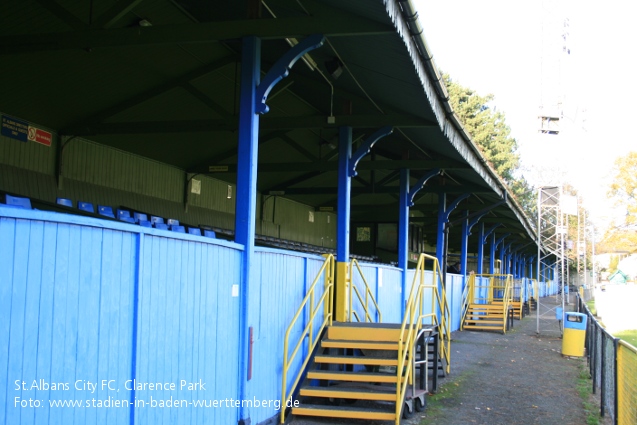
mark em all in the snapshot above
pixel 174 99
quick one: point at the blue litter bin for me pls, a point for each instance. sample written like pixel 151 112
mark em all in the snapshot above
pixel 574 334
pixel 558 313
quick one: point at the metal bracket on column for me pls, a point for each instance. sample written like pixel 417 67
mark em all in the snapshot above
pixel 479 214
pixel 366 147
pixel 419 185
pixel 488 232
pixel 455 204
pixel 501 239
pixel 282 67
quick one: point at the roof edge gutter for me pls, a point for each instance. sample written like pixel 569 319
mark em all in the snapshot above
pixel 453 129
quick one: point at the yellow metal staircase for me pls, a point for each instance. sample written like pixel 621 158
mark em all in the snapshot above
pixel 363 360
pixel 357 361
pixel 488 306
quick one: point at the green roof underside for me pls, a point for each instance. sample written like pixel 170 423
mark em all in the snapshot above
pixel 169 92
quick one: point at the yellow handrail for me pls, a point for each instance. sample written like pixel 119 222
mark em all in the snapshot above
pixel 498 283
pixel 369 296
pixel 468 297
pixel 413 321
pixel 327 301
pixel 507 296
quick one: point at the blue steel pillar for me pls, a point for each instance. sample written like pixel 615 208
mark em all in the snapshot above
pixel 342 222
pixel 245 216
pixel 403 232
pixel 443 218
pixel 492 253
pixel 440 231
pixel 481 238
pixel 254 94
pixel 464 243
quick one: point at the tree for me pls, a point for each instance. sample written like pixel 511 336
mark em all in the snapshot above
pixel 492 135
pixel 622 235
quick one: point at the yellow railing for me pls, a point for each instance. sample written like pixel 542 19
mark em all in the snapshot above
pixel 468 296
pixel 507 297
pixel 326 300
pixel 369 296
pixel 499 289
pixel 626 383
pixel 413 322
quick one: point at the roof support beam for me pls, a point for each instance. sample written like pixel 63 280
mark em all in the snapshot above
pixel 115 13
pixel 87 126
pixel 63 14
pixel 204 32
pixel 195 126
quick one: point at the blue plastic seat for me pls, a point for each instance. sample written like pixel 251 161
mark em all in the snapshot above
pixel 154 219
pixel 172 222
pixel 121 214
pixel 162 226
pixel 194 231
pixel 64 201
pixel 145 223
pixel 14 201
pixel 209 233
pixel 85 206
pixel 128 219
pixel 178 229
pixel 105 211
pixel 139 217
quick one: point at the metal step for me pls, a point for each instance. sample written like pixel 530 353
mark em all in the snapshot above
pixel 346 412
pixel 330 375
pixel 369 345
pixel 356 360
pixel 364 392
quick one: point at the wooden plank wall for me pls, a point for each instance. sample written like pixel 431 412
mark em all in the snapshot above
pixel 85 300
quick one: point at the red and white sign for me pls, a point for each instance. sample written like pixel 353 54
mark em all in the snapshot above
pixel 39 136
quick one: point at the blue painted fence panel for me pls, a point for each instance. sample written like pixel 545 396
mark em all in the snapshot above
pixel 390 295
pixel 280 281
pixel 86 306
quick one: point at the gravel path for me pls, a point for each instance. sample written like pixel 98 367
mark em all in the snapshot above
pixel 517 378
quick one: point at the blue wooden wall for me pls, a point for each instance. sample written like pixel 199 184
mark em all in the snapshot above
pixel 87 300
pixel 84 300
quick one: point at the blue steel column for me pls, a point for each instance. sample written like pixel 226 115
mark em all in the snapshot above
pixel 480 267
pixel 464 242
pixel 245 217
pixel 342 223
pixel 440 231
pixel 492 254
pixel 403 232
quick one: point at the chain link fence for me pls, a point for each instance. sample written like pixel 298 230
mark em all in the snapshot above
pixel 613 370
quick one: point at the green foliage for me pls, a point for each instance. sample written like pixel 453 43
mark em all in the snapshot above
pixel 623 190
pixel 622 235
pixel 492 136
pixel 614 262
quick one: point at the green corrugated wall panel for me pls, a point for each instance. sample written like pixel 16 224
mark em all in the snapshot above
pixel 214 194
pixel 105 176
pixel 269 229
pixel 104 166
pixel 28 155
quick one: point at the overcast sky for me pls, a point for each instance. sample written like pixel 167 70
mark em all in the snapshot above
pixel 514 50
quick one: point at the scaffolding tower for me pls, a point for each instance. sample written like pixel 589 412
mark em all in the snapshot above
pixel 551 258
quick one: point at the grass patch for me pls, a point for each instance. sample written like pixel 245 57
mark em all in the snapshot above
pixel 628 336
pixel 437 402
pixel 584 390
pixel 591 306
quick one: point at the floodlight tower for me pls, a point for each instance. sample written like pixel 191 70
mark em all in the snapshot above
pixel 555 48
